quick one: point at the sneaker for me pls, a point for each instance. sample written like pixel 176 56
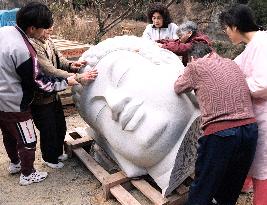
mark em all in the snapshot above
pixel 63 157
pixel 14 168
pixel 34 177
pixel 59 165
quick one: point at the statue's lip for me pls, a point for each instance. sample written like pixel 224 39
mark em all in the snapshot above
pixel 128 113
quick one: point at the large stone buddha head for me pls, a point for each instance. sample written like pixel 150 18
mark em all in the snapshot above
pixel 139 120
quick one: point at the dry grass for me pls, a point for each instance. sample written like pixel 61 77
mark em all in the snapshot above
pixel 83 26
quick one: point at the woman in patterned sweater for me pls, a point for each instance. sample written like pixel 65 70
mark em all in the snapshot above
pixel 227 148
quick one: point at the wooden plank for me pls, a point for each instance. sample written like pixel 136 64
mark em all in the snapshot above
pixel 113 180
pixel 70 49
pixel 60 44
pixel 150 192
pixel 177 199
pixel 66 96
pixel 67 145
pixel 67 100
pixel 99 172
pixel 81 131
pixel 81 142
pixel 182 189
pixel 66 91
pixel 71 46
pixel 123 196
pixel 111 183
pixel 68 138
pixel 63 41
pixel 75 53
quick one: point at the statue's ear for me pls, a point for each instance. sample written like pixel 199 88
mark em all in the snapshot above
pixel 92 132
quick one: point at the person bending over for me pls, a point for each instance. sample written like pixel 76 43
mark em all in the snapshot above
pixel 227 147
pixel 188 34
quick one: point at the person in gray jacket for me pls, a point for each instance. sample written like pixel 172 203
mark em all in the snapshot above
pixel 20 76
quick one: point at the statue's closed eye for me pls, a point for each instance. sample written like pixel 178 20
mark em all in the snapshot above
pixel 99 112
pixel 96 105
pixel 121 78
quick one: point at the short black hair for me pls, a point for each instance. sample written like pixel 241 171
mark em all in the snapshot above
pixel 34 14
pixel 199 50
pixel 162 10
pixel 241 16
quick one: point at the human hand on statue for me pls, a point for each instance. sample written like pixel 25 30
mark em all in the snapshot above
pixel 87 77
pixel 76 65
pixel 159 44
pixel 72 81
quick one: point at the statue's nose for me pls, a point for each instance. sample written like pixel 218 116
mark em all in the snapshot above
pixel 116 101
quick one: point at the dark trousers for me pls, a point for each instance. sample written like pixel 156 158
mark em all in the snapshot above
pixel 223 161
pixel 50 121
pixel 19 139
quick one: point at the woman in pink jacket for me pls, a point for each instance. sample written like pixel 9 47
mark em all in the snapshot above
pixel 240 27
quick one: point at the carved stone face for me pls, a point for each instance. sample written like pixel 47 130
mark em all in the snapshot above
pixel 132 103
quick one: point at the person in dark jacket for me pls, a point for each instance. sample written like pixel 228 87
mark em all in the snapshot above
pixel 188 34
pixel 20 76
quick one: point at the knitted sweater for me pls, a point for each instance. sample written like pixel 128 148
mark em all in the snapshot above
pixel 220 88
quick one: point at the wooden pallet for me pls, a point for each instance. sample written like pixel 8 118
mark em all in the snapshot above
pixel 70 49
pixel 66 96
pixel 112 184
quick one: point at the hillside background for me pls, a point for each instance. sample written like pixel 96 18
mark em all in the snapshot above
pixel 85 20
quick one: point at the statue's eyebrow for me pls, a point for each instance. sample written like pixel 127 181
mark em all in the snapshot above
pixel 119 75
pixel 100 110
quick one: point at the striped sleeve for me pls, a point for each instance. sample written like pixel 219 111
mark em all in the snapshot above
pixel 48 83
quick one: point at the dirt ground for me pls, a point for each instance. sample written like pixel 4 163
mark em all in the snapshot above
pixel 71 185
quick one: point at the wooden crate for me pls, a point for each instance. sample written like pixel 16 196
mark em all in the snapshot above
pixel 70 49
pixel 66 96
pixel 112 184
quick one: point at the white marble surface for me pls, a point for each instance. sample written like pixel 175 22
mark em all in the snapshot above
pixel 132 106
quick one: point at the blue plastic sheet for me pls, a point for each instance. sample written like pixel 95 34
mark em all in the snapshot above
pixel 8 17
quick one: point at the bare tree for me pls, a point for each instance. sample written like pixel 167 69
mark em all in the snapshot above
pixel 108 16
